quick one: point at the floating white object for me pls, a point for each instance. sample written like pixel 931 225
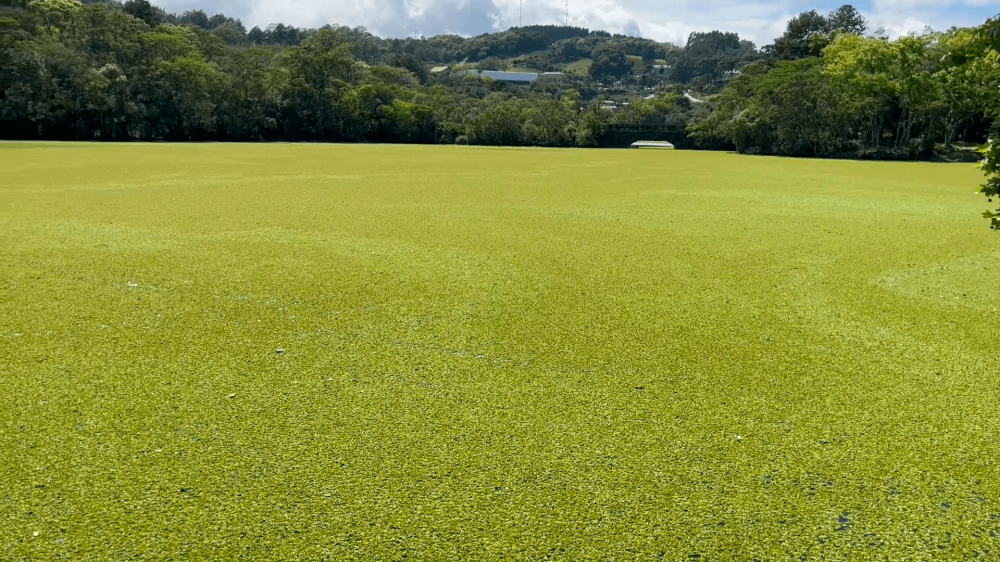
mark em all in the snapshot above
pixel 652 144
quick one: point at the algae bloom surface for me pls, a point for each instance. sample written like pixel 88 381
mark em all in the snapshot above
pixel 315 352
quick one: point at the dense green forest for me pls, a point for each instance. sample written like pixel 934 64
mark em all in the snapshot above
pixel 103 70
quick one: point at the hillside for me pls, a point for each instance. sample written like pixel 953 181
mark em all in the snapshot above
pixel 112 71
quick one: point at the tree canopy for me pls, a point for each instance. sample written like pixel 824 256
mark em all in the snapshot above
pixel 982 46
pixel 101 70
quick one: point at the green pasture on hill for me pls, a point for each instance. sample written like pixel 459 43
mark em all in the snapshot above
pixel 321 352
pixel 580 67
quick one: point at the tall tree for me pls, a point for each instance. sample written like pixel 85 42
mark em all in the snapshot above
pixel 847 18
pixel 987 39
pixel 321 72
pixel 145 11
pixel 795 42
pixel 808 33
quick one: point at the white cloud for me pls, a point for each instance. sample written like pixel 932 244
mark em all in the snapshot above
pixel 675 32
pixel 901 17
pixel 909 25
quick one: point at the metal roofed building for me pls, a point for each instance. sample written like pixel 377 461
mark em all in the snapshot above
pixel 510 77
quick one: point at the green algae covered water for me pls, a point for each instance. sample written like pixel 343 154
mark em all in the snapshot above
pixel 315 352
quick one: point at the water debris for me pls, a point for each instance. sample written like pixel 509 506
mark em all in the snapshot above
pixel 133 285
pixel 739 438
pixel 232 395
pixel 279 351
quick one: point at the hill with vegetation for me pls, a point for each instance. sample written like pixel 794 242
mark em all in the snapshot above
pixel 103 70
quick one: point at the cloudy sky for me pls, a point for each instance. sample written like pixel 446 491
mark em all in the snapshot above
pixel 757 20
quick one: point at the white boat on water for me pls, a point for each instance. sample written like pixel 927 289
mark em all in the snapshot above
pixel 652 144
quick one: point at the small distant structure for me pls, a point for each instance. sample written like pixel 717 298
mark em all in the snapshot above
pixel 551 76
pixel 652 144
pixel 510 77
pixel 610 105
pixel 660 68
pixel 438 69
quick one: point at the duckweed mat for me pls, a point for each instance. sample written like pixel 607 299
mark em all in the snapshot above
pixel 321 352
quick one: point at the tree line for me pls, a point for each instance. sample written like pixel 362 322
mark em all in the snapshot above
pixel 105 70
pixel 827 90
